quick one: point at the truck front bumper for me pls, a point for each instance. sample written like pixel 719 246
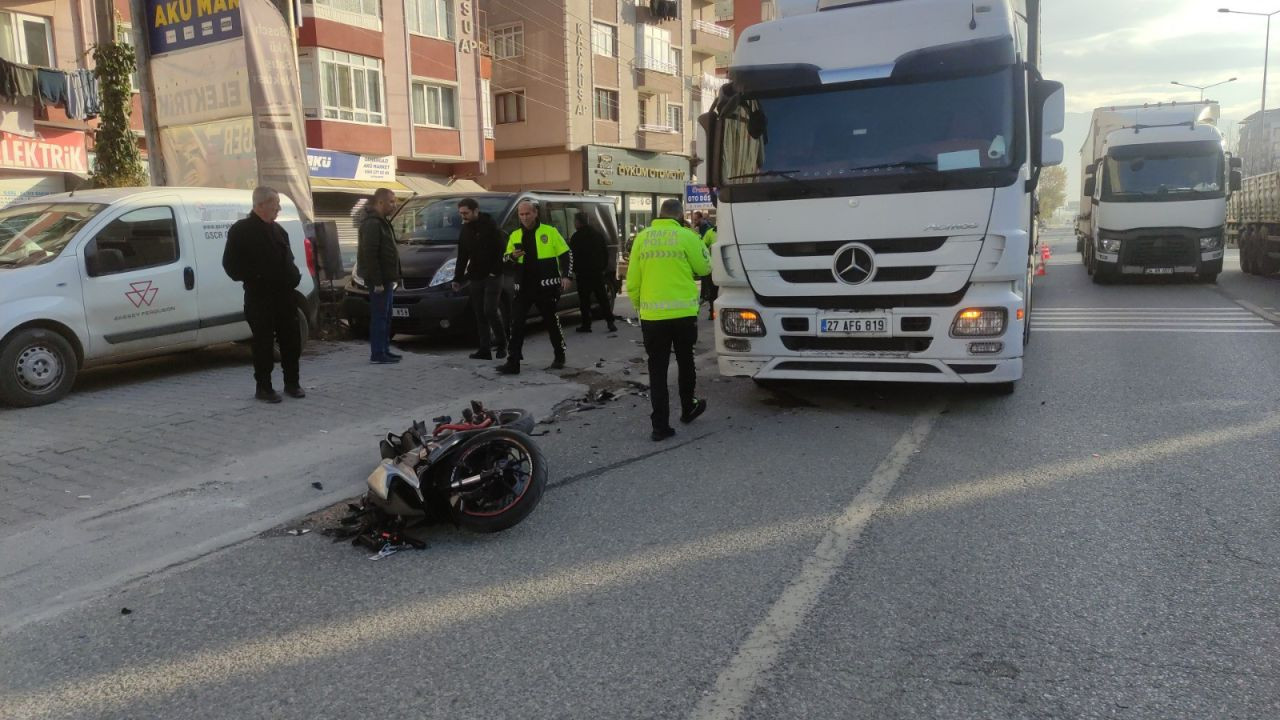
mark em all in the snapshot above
pixel 920 349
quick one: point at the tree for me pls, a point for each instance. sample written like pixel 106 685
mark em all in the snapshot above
pixel 119 163
pixel 1053 189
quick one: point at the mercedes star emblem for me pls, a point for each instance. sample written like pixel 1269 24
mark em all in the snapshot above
pixel 854 264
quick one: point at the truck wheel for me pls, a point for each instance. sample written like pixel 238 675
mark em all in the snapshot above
pixel 1209 278
pixel 1003 389
pixel 304 329
pixel 37 367
pixel 1079 244
pixel 1100 277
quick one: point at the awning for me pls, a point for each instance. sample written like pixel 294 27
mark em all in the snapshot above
pixel 438 185
pixel 364 187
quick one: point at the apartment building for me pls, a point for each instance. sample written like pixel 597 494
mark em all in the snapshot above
pixel 602 95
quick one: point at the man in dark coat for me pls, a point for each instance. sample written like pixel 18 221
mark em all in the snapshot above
pixel 378 260
pixel 590 261
pixel 258 255
pixel 480 250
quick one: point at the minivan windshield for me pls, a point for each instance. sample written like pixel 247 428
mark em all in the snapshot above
pixel 435 221
pixel 35 234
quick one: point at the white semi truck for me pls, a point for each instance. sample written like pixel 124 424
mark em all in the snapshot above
pixel 1154 186
pixel 876 164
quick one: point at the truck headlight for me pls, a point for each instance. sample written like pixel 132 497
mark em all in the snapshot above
pixel 445 273
pixel 979 322
pixel 1109 245
pixel 742 323
pixel 1211 243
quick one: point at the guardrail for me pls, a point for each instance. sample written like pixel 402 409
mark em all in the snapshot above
pixel 711 28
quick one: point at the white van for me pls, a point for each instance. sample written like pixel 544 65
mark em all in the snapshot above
pixel 104 276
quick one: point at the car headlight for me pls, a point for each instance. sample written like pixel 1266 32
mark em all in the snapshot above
pixel 356 280
pixel 979 322
pixel 1211 243
pixel 1109 245
pixel 742 323
pixel 445 273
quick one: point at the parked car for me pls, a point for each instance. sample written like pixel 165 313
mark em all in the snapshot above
pixel 427 231
pixel 104 276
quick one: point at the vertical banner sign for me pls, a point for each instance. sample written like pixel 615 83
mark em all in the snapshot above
pixel 279 128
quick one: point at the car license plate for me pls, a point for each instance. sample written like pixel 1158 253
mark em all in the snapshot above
pixel 400 312
pixel 873 325
pixel 1159 271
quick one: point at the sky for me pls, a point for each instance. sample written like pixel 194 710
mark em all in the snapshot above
pixel 1123 52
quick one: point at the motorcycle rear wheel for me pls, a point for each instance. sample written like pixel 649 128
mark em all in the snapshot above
pixel 517 477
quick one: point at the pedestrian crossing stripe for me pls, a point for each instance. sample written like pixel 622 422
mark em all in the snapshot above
pixel 1231 319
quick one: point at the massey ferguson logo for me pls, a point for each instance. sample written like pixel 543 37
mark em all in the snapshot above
pixel 142 293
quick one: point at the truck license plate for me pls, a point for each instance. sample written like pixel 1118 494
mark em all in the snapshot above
pixel 1159 271
pixel 854 326
pixel 402 312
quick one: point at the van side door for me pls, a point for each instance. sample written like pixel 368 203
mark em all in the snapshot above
pixel 559 214
pixel 139 282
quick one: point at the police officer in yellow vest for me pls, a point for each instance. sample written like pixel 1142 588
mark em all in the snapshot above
pixel 665 259
pixel 544 266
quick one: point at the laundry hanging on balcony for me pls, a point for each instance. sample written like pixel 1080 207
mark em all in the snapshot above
pixel 75 92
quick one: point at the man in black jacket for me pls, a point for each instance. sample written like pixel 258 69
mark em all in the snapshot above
pixel 480 250
pixel 378 260
pixel 258 255
pixel 590 261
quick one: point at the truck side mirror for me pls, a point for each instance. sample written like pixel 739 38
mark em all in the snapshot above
pixel 1237 163
pixel 1236 179
pixel 711 126
pixel 1089 184
pixel 1050 112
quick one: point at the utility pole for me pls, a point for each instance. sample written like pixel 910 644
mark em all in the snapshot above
pixel 146 89
pixel 104 14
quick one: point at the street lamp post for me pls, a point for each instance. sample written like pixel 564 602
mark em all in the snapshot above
pixel 1202 88
pixel 1266 52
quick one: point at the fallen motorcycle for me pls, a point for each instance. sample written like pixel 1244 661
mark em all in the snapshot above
pixel 484 474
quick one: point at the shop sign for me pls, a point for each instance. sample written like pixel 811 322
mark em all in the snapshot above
pixel 346 166
pixel 619 170
pixel 50 150
pixel 697 197
pixel 179 24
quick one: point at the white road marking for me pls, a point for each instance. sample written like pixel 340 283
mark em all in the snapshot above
pixel 762 648
pixel 1228 319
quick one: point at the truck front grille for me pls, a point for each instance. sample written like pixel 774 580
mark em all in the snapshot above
pixel 881 246
pixel 801 343
pixel 887 274
pixel 1149 251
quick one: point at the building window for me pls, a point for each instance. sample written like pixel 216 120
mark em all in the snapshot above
pixel 510 107
pixel 604 39
pixel 351 87
pixel 433 18
pixel 487 108
pixel 26 39
pixel 655 44
pixel 361 13
pixel 355 7
pixel 675 58
pixel 606 104
pixel 675 117
pixel 435 105
pixel 507 42
pixel 124 36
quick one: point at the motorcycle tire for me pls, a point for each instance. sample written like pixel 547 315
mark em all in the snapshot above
pixel 500 502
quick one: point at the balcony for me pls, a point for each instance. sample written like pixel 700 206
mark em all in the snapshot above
pixel 646 15
pixel 657 76
pixel 711 39
pixel 659 138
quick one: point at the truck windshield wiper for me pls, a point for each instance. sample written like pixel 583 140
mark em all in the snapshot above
pixel 784 174
pixel 907 164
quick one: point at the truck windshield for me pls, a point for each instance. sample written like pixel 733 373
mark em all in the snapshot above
pixel 1163 172
pixel 35 234
pixel 435 221
pixel 872 132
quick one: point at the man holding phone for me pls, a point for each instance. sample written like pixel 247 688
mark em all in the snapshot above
pixel 544 265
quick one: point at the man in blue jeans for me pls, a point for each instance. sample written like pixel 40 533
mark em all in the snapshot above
pixel 379 263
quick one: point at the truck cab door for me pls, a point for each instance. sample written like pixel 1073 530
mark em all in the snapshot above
pixel 139 283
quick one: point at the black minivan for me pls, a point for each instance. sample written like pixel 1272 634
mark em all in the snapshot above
pixel 427 231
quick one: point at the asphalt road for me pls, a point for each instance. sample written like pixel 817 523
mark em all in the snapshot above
pixel 1100 544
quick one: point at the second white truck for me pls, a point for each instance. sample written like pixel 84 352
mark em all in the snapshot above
pixel 1154 186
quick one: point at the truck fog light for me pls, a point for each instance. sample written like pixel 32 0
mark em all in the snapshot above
pixel 1210 243
pixel 985 348
pixel 737 345
pixel 741 323
pixel 979 322
pixel 1109 245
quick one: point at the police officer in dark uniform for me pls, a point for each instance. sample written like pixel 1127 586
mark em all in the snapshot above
pixel 544 263
pixel 258 255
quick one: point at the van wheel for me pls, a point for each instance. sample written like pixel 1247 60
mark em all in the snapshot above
pixel 304 329
pixel 37 367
